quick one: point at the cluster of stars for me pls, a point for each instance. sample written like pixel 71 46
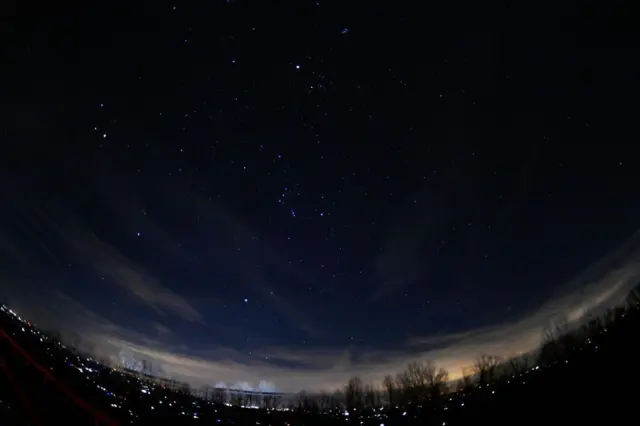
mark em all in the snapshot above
pixel 341 151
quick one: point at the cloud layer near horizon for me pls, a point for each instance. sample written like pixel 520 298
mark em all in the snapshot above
pixel 316 368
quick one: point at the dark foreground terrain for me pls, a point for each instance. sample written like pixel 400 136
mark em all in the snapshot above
pixel 586 375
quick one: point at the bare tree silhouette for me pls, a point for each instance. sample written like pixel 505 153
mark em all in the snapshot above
pixel 371 395
pixel 324 401
pixel 633 299
pixel 437 379
pixel 219 395
pixel 422 380
pixel 391 388
pixel 354 393
pixel 465 383
pixel 519 364
pixel 184 389
pixel 406 389
pixel 270 401
pixel 485 367
pixel 557 340
pixel 300 400
pixel 237 400
pixel 337 399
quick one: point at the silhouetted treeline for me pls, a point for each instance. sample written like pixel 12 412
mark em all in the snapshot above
pixel 579 374
pixel 575 360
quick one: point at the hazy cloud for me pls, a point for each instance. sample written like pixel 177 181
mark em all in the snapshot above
pixel 325 368
pixel 107 261
pixel 220 232
pixel 161 329
pixel 285 368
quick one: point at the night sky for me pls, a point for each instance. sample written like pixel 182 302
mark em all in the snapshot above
pixel 251 191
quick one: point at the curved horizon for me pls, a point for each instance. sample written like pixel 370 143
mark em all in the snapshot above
pixel 604 284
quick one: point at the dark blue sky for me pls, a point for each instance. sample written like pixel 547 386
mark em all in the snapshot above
pixel 240 196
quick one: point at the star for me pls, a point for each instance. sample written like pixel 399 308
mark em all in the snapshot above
pixel 326 195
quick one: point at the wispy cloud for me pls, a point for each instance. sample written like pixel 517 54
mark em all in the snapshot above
pixel 257 256
pixel 109 262
pixel 290 368
pixel 413 238
pixel 403 261
pixel 227 246
pixel 214 237
pixel 603 284
pixel 106 260
pixel 161 329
